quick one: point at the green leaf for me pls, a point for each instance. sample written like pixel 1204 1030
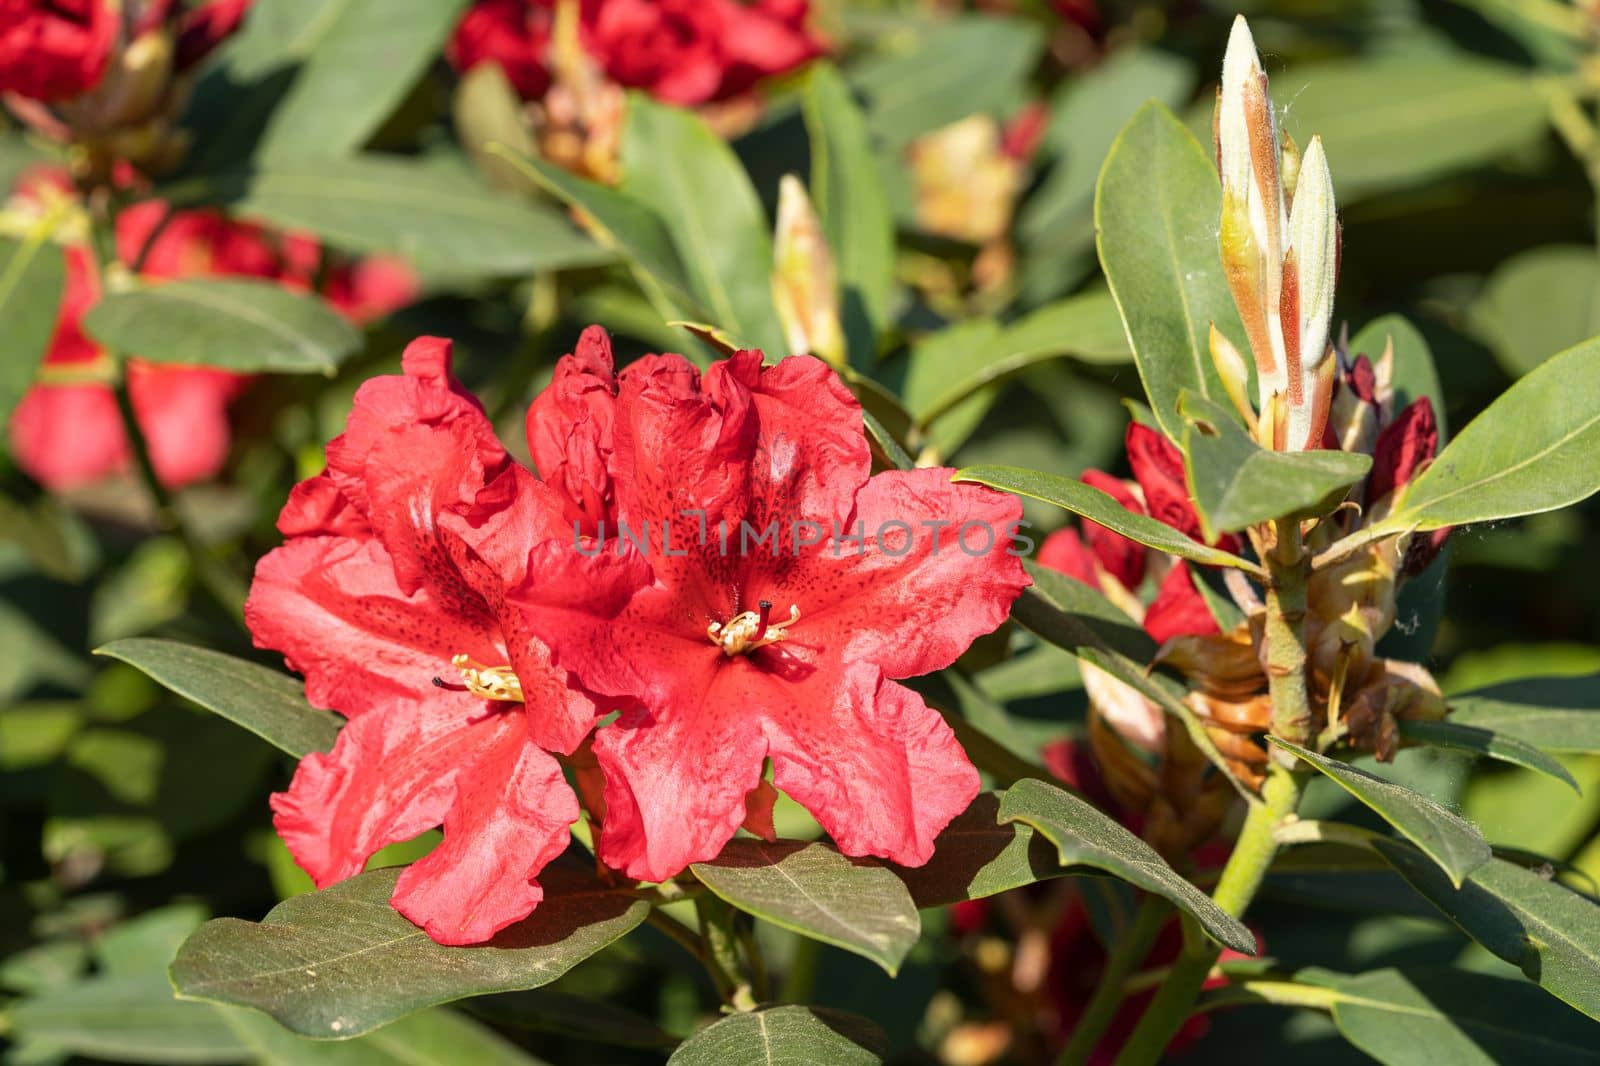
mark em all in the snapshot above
pixel 965 65
pixel 959 351
pixel 546 1010
pixel 674 165
pixel 127 1018
pixel 1552 713
pixel 977 856
pixel 1237 483
pixel 431 1036
pixel 355 67
pixel 980 356
pixel 813 890
pixel 32 278
pixel 269 704
pixel 625 224
pixel 1156 211
pixel 1086 114
pixel 1538 302
pixel 1427 1017
pixel 147 943
pixel 1550 933
pixel 441 219
pixel 240 324
pixel 1534 449
pixel 1446 838
pixel 849 193
pixel 1083 835
pixel 785 1036
pixel 1394 122
pixel 1101 507
pixel 487 111
pixel 325 964
pixel 1456 734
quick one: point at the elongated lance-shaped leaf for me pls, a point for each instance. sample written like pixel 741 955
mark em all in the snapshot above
pixel 1552 713
pixel 812 889
pixel 1446 838
pixel 271 705
pixel 1156 211
pixel 1085 836
pixel 1101 507
pixel 1486 742
pixel 688 176
pixel 1237 483
pixel 1547 931
pixel 32 278
pixel 1534 449
pixel 239 324
pixel 977 855
pixel 325 964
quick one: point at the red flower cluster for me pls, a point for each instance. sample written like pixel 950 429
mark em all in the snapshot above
pixel 53 50
pixel 70 434
pixel 625 580
pixel 684 52
pixel 1161 492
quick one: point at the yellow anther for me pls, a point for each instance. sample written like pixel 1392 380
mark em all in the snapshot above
pixel 750 630
pixel 490 682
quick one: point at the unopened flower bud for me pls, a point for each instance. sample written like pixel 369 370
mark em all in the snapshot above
pixel 1310 271
pixel 1404 448
pixel 1234 373
pixel 804 286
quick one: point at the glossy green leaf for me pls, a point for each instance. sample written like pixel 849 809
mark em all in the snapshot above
pixel 813 890
pixel 1446 838
pixel 1101 507
pixel 1427 1017
pixel 1087 327
pixel 270 704
pixel 1538 303
pixel 1084 836
pixel 676 166
pixel 1388 123
pixel 354 68
pixel 962 66
pixel 1536 448
pixel 439 218
pixel 850 197
pixel 239 324
pixel 1549 932
pixel 1156 211
pixel 1237 483
pixel 127 1018
pixel 324 964
pixel 1452 733
pixel 977 855
pixel 487 111
pixel 962 351
pixel 785 1036
pixel 32 277
pixel 1552 713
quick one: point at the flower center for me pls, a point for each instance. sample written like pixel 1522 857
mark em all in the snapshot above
pixel 490 682
pixel 750 630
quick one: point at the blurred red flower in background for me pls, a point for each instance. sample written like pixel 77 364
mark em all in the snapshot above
pixel 67 434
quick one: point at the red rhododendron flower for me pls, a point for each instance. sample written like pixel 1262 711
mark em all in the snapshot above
pixel 396 566
pixel 1122 558
pixel 1179 610
pixel 784 648
pixel 67 435
pixel 681 51
pixel 53 49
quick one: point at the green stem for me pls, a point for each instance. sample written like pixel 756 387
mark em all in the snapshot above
pixel 1130 951
pixel 722 953
pixel 1287 567
pixel 1241 878
pixel 801 977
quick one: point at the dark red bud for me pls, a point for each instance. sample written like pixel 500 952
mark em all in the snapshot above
pixel 1403 448
pixel 1422 550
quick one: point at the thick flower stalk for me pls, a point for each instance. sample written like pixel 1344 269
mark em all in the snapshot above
pixel 1280 251
pixel 786 589
pixel 390 595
